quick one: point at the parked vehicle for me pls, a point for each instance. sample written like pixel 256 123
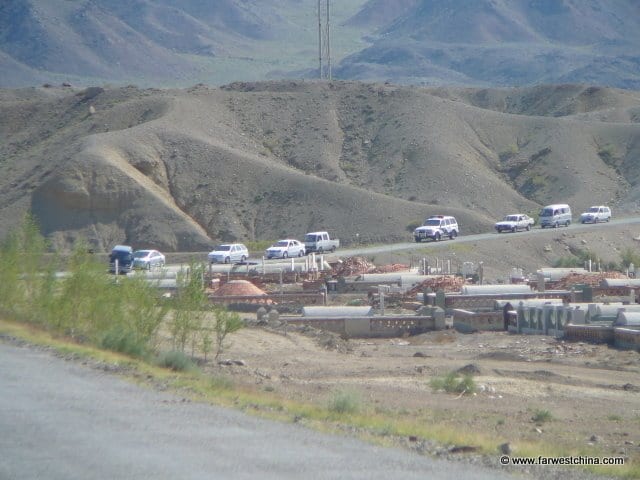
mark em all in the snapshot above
pixel 229 253
pixel 595 214
pixel 515 222
pixel 285 248
pixel 121 259
pixel 555 215
pixel 437 227
pixel 148 259
pixel 320 242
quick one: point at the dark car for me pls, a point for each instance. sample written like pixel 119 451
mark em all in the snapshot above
pixel 121 259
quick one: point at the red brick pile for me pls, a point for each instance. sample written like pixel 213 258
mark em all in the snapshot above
pixel 394 267
pixel 352 266
pixel 592 279
pixel 448 283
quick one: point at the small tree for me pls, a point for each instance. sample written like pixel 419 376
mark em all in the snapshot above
pixel 226 322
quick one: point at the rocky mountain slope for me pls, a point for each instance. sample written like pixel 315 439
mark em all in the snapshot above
pixel 180 169
pixel 174 43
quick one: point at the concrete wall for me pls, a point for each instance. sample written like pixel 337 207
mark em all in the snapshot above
pixel 369 327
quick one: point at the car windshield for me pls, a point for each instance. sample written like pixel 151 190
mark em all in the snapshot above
pixel 310 238
pixel 141 254
pixel 593 210
pixel 511 218
pixel 432 222
pixel 281 244
pixel 546 212
pixel 120 256
pixel 222 248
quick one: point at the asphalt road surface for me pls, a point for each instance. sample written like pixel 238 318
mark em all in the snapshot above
pixel 61 420
pixel 536 230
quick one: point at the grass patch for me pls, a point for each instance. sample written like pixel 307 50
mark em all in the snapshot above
pixel 453 382
pixel 345 402
pixel 541 416
pixel 175 360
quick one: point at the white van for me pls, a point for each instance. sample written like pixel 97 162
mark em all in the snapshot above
pixel 555 215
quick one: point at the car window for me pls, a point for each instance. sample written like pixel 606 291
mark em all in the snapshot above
pixel 223 248
pixel 280 244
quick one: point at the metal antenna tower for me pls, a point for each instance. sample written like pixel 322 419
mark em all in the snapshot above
pixel 324 41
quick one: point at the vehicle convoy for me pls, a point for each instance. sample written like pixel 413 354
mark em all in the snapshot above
pixel 148 259
pixel 437 227
pixel 555 215
pixel 595 214
pixel 121 259
pixel 285 248
pixel 229 253
pixel 514 222
pixel 320 242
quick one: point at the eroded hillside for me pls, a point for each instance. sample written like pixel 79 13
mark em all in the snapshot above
pixel 180 169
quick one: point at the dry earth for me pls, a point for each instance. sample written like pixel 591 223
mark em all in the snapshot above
pixel 592 392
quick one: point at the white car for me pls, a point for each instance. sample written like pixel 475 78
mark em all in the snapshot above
pixel 285 248
pixel 229 253
pixel 148 259
pixel 514 222
pixel 595 214
pixel 437 227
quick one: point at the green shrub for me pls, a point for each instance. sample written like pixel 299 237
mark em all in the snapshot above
pixel 453 382
pixel 124 341
pixel 541 416
pixel 344 402
pixel 175 360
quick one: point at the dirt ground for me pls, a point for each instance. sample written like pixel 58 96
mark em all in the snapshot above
pixel 591 392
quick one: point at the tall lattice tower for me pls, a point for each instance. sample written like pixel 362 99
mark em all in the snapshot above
pixel 324 40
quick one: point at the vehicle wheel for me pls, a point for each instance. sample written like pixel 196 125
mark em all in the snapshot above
pixel 333 249
pixel 243 259
pixel 528 227
pixel 418 240
pixel 437 237
pixel 149 266
pixel 285 255
pixel 300 253
pixel 514 229
pixel 453 234
pixel 556 225
pixel 320 250
pixel 568 222
pixel 608 219
pixel 227 260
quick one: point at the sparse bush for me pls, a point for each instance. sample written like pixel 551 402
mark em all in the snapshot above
pixel 124 341
pixel 453 382
pixel 344 402
pixel 175 360
pixel 541 416
pixel 630 256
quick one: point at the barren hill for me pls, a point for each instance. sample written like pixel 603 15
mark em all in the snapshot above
pixel 180 169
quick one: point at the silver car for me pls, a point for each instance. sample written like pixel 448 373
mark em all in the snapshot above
pixel 148 259
pixel 229 253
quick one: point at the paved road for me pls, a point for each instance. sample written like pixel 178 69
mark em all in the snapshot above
pixel 394 247
pixel 60 420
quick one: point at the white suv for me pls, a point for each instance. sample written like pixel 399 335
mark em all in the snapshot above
pixel 595 214
pixel 436 227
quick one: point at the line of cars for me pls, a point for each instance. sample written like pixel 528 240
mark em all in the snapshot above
pixel 319 242
pixel 437 227
pixel 553 216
